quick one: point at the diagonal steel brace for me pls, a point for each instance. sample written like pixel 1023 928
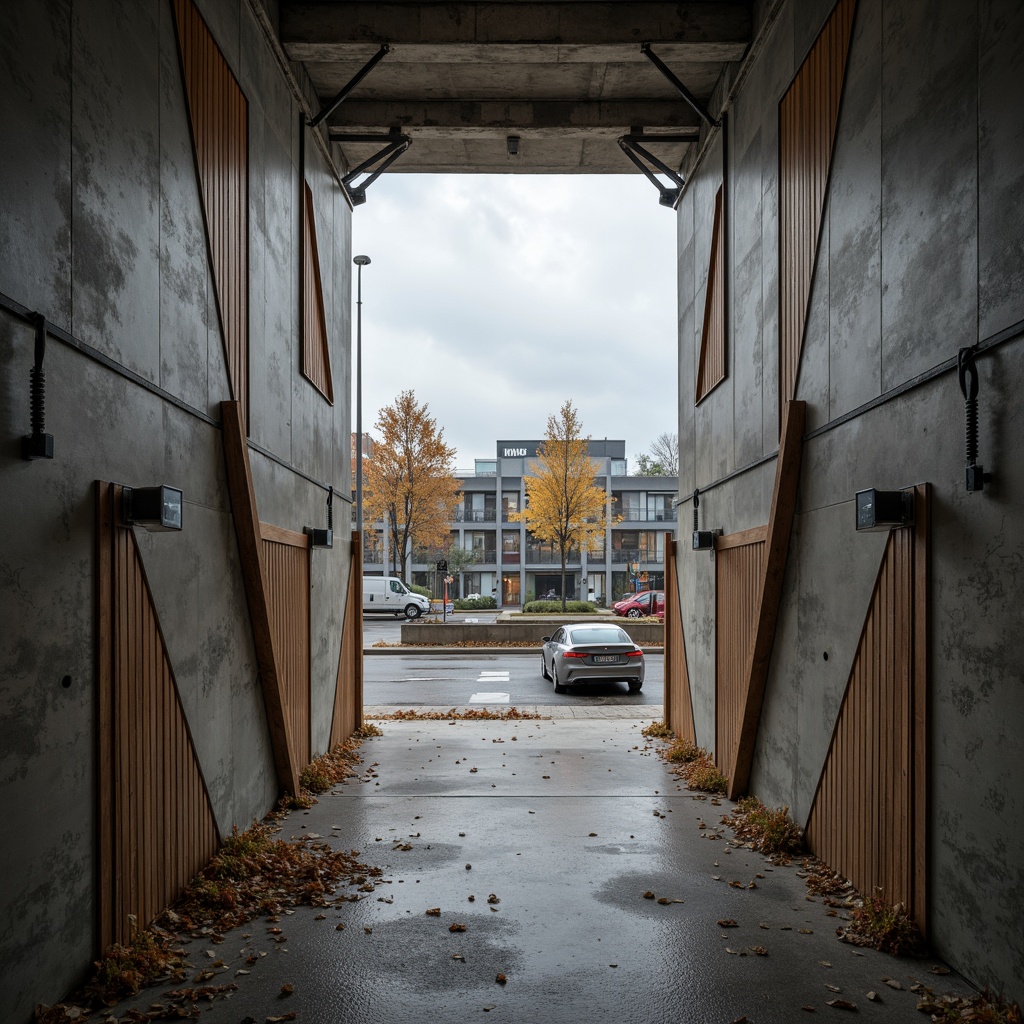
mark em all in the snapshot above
pixel 331 105
pixel 698 108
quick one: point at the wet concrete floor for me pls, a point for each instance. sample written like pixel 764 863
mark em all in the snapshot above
pixel 567 823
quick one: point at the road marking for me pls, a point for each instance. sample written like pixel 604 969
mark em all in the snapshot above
pixel 487 676
pixel 490 698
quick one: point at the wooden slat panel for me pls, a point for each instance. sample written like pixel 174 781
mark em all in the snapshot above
pixel 869 814
pixel 769 591
pixel 156 822
pixel 348 689
pixel 711 368
pixel 678 702
pixel 218 118
pixel 254 576
pixel 738 590
pixel 316 355
pixel 286 561
pixel 808 115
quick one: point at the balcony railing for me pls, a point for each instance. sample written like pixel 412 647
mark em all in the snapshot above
pixel 639 515
pixel 644 557
pixel 476 515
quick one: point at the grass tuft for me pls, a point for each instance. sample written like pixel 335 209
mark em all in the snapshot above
pixel 657 731
pixel 882 926
pixel 770 829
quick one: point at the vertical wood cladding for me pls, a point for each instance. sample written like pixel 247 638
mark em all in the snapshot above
pixel 218 118
pixel 808 114
pixel 678 702
pixel 711 368
pixel 348 690
pixel 156 824
pixel 868 817
pixel 739 560
pixel 257 594
pixel 316 355
pixel 286 579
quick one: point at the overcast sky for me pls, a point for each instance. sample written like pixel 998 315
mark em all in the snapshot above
pixel 495 298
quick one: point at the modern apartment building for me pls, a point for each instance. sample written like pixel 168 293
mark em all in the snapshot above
pixel 514 567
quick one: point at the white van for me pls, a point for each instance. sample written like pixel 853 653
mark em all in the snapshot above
pixel 390 594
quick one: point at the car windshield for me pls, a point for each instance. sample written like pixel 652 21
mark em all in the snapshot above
pixel 599 635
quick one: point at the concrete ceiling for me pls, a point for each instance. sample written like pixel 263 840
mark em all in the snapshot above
pixel 568 79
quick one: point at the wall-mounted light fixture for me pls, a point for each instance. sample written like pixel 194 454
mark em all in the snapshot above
pixel 884 510
pixel 156 509
pixel 323 538
pixel 703 540
pixel 512 144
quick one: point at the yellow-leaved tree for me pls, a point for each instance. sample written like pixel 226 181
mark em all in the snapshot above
pixel 410 482
pixel 564 504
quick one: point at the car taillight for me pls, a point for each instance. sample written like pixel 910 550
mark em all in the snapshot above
pixel 573 654
pixel 634 654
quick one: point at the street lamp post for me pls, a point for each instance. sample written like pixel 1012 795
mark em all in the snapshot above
pixel 360 262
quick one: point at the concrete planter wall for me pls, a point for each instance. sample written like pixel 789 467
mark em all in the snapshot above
pixel 526 633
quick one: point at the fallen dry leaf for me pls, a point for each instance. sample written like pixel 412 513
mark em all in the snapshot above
pixel 287 989
pixel 501 979
pixel 648 895
pixel 874 997
pixel 279 1018
pixel 893 983
pixel 759 950
pixel 456 927
pixel 727 922
pixel 833 988
pixel 434 912
pixel 842 1004
pixel 493 898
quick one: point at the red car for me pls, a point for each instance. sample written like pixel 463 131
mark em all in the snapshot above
pixel 636 606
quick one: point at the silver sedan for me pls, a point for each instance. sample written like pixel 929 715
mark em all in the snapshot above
pixel 589 652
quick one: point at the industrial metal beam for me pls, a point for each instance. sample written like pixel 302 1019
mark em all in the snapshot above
pixel 560 115
pixel 316 31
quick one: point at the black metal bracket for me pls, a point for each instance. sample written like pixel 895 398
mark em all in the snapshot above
pixel 632 148
pixel 967 373
pixel 695 104
pixel 396 145
pixel 38 444
pixel 331 105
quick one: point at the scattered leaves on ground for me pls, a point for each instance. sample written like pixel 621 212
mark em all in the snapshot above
pixel 510 714
pixel 981 1008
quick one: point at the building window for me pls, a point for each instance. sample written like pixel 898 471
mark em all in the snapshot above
pixel 510 546
pixel 618 467
pixel 659 508
pixel 481 543
pixel 509 504
pixel 627 504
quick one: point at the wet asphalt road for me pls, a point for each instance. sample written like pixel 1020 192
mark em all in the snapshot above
pixel 452 680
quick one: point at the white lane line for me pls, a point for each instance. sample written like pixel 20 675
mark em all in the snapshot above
pixel 490 698
pixel 494 677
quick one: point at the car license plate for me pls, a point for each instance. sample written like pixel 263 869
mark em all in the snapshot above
pixel 606 659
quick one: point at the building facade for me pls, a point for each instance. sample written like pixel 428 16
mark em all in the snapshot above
pixel 514 567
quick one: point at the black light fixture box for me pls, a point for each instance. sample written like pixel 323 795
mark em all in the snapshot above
pixel 883 510
pixel 154 508
pixel 704 540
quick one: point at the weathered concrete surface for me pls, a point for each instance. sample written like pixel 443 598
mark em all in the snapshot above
pixel 920 255
pixel 567 825
pixel 101 230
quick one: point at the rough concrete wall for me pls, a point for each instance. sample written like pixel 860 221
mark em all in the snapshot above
pixel 920 254
pixel 101 230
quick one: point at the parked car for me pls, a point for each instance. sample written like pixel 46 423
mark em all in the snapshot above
pixel 390 594
pixel 589 652
pixel 636 606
